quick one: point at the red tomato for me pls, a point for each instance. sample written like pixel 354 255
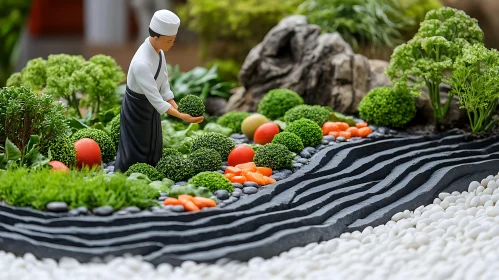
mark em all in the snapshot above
pixel 58 166
pixel 240 154
pixel 265 133
pixel 87 153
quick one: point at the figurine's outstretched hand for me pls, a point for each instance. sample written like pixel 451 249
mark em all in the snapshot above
pixel 191 119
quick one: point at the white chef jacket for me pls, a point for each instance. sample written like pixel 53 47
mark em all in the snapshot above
pixel 141 74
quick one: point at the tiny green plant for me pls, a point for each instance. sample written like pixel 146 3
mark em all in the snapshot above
pixel 427 58
pixel 475 80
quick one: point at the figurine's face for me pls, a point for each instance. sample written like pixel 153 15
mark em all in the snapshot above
pixel 164 42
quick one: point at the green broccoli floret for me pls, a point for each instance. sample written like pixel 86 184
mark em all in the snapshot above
pixel 216 141
pixel 34 75
pixel 15 80
pixel 61 149
pixel 309 132
pixel 275 156
pixel 206 159
pixel 233 120
pixel 290 140
pixel 277 102
pixel 192 105
pixel 115 130
pixel 105 143
pixel 176 168
pixel 214 181
pixel 316 113
pixel 171 152
pixel 386 106
pixel 145 169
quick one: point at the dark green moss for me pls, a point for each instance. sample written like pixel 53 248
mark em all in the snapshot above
pixel 277 102
pixel 205 159
pixel 176 168
pixel 216 141
pixel 192 105
pixel 309 132
pixel 290 140
pixel 145 169
pixel 213 181
pixel 233 120
pixel 275 156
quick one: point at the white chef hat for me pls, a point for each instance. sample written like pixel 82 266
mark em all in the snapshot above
pixel 165 22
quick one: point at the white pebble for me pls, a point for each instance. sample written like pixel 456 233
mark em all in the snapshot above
pixel 473 186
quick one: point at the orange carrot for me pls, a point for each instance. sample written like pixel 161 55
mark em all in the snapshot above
pixel 265 171
pixel 364 131
pixel 353 131
pixel 238 179
pixel 229 175
pixel 328 127
pixel 269 180
pixel 172 201
pixel 361 125
pixel 249 166
pixel 203 202
pixel 189 206
pixel 343 126
pixel 346 134
pixel 334 133
pixel 185 197
pixel 256 177
pixel 233 170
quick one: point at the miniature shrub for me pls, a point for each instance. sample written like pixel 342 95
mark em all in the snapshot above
pixel 145 169
pixel 233 120
pixel 192 105
pixel 171 152
pixel 105 143
pixel 386 106
pixel 290 140
pixel 275 156
pixel 316 113
pixel 213 181
pixel 277 102
pixel 115 130
pixel 24 113
pixel 309 132
pixel 216 141
pixel 36 188
pixel 476 82
pixel 176 168
pixel 205 159
pixel 61 149
pixel 426 58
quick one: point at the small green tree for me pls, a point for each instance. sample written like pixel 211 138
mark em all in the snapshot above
pixel 427 58
pixel 475 80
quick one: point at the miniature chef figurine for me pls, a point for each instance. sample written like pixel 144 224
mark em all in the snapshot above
pixel 148 96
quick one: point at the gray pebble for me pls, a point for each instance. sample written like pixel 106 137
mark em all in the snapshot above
pixel 286 172
pixel 122 213
pixel 341 139
pixel 224 163
pixel 375 135
pixel 104 165
pixel 305 154
pixel 236 194
pixel 222 194
pixel 237 185
pixel 311 150
pixel 250 190
pixel 74 212
pixel 320 147
pixel 329 138
pixel 224 167
pixel 325 142
pixel 82 210
pixel 182 183
pixel 132 209
pixel 276 177
pixel 221 204
pixel 163 194
pixel 178 208
pixel 332 143
pixel 154 208
pixel 162 198
pixel 110 168
pixel 103 211
pixel 392 131
pixel 251 184
pixel 111 163
pixel 382 130
pixel 57 207
pixel 297 165
pixel 302 161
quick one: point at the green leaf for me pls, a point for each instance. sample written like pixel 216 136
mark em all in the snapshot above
pixel 282 125
pixel 214 127
pixel 11 151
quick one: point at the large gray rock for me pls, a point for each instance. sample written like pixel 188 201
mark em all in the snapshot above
pixel 322 68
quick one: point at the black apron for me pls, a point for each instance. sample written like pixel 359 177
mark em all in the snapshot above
pixel 140 130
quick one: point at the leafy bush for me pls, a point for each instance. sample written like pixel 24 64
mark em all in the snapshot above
pixel 205 159
pixel 290 140
pixel 386 106
pixel 171 152
pixel 36 188
pixel 275 156
pixel 145 169
pixel 192 105
pixel 228 29
pixel 309 132
pixel 61 149
pixel 102 138
pixel 233 120
pixel 426 58
pixel 216 141
pixel 277 102
pixel 475 80
pixel 176 168
pixel 372 23
pixel 115 130
pixel 316 113
pixel 29 157
pixel 24 113
pixel 213 181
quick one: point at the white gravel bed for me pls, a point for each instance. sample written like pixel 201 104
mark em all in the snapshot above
pixel 456 237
